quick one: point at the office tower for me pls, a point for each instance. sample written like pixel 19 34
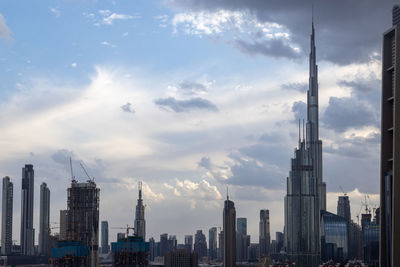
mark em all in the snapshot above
pixel 343 207
pixel 44 221
pixel 189 242
pixel 27 231
pixel 152 247
pixel 83 217
pixel 140 223
pixel 370 240
pixel 200 244
pixel 163 244
pixel 105 248
pixel 334 237
pixel 253 252
pixel 63 224
pixel 229 244
pixel 279 237
pixel 242 239
pixel 306 193
pixel 181 258
pixel 7 215
pixel 212 243
pixel 221 246
pixel 264 233
pixel 172 243
pixel 242 225
pixel 390 151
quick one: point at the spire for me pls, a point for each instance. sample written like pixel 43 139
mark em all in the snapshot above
pixel 140 189
pixel 227 194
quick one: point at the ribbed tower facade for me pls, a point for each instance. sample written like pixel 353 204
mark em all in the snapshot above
pixel 27 231
pixel 7 215
pixel 306 192
pixel 264 233
pixel 140 223
pixel 44 220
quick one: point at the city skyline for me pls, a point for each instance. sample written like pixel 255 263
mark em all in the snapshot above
pixel 189 163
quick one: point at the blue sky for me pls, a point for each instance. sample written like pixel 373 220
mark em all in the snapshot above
pixel 190 97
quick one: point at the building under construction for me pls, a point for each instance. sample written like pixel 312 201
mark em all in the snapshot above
pixel 82 227
pixel 130 251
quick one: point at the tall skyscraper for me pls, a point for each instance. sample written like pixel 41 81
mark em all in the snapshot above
pixel 189 243
pixel 242 225
pixel 200 244
pixel 7 215
pixel 390 150
pixel 27 231
pixel 212 243
pixel 306 192
pixel 264 233
pixel 229 245
pixel 163 244
pixel 242 239
pixel 140 223
pixel 105 248
pixel 44 221
pixel 343 207
pixel 83 217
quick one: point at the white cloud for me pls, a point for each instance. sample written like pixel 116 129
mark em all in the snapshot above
pixel 5 32
pixel 74 65
pixel 114 16
pixel 105 43
pixel 55 11
pixel 107 17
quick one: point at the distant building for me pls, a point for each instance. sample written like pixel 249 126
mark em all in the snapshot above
pixel 370 237
pixel 279 237
pixel 7 216
pixel 253 252
pixel 83 217
pixel 152 249
pixel 105 248
pixel 200 244
pixel 355 241
pixel 44 221
pixel 212 243
pixel 390 150
pixel 242 225
pixel 140 223
pixel 343 207
pixel 221 245
pixel 229 224
pixel 63 224
pixel 242 240
pixel 264 233
pixel 189 243
pixel 181 258
pixel 163 244
pixel 27 201
pixel 334 237
pixel 130 251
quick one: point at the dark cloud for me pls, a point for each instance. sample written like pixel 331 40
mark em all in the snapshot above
pixel 128 108
pixel 355 146
pixel 368 89
pixel 62 156
pixel 347 31
pixel 348 112
pixel 197 103
pixel 274 48
pixel 192 87
pixel 301 87
pixel 299 108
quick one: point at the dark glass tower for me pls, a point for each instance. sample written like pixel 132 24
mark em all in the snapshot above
pixel 44 220
pixel 264 233
pixel 27 231
pixel 7 215
pixel 140 223
pixel 229 244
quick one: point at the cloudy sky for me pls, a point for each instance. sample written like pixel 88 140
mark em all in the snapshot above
pixel 191 97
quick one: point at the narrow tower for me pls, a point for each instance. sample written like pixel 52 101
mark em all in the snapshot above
pixel 229 241
pixel 140 223
pixel 7 214
pixel 27 231
pixel 44 220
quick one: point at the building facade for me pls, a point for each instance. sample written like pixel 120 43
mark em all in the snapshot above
pixel 44 221
pixel 343 207
pixel 264 233
pixel 229 233
pixel 140 223
pixel 189 243
pixel 334 237
pixel 212 243
pixel 200 244
pixel 7 216
pixel 181 258
pixel 27 201
pixel 390 138
pixel 105 248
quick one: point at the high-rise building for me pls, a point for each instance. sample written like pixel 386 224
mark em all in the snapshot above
pixel 242 240
pixel 241 225
pixel 343 207
pixel 44 221
pixel 221 246
pixel 200 244
pixel 306 193
pixel 334 237
pixel 212 243
pixel 180 258
pixel 163 244
pixel 390 151
pixel 63 224
pixel 105 247
pixel 27 231
pixel 264 233
pixel 7 215
pixel 140 223
pixel 83 217
pixel 189 243
pixel 229 244
pixel 279 238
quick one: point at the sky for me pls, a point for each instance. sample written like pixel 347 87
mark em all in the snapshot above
pixel 190 97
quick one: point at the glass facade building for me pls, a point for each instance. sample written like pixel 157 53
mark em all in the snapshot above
pixel 334 237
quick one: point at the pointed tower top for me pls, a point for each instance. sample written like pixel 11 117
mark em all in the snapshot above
pixel 140 189
pixel 227 194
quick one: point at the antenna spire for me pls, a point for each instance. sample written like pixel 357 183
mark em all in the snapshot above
pixel 227 193
pixel 299 133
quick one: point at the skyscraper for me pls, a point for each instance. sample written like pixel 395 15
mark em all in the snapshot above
pixel 7 215
pixel 306 191
pixel 212 242
pixel 189 243
pixel 242 225
pixel 229 245
pixel 242 239
pixel 200 244
pixel 140 223
pixel 264 233
pixel 343 207
pixel 63 224
pixel 44 221
pixel 27 231
pixel 105 248
pixel 390 138
pixel 83 217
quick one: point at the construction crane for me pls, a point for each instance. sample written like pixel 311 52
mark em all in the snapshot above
pixel 127 240
pixel 72 172
pixel 90 179
pixel 341 188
